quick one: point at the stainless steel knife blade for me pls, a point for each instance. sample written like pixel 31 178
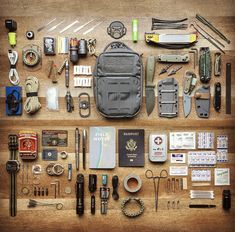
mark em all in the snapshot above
pixel 187 105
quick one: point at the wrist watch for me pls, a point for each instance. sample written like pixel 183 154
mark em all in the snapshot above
pixel 12 167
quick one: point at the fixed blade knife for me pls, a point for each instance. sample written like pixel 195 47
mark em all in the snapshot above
pixel 149 88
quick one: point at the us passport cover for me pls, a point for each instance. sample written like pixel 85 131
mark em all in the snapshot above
pixel 131 148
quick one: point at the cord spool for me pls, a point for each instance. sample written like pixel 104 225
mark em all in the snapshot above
pixel 82 48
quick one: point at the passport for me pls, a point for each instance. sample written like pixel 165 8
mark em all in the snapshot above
pixel 131 148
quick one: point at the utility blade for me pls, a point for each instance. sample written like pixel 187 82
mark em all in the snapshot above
pixel 91 29
pixel 82 26
pixel 44 26
pixel 150 99
pixel 54 27
pixel 187 105
pixel 67 27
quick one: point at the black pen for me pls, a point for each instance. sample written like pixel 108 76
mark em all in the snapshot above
pixel 201 206
pixel 84 137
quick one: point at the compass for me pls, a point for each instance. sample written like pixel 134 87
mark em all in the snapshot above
pixel 31 56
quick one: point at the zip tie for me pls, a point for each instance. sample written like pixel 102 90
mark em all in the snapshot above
pixel 13 74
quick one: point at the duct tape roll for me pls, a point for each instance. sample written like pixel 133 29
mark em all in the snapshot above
pixel 134 177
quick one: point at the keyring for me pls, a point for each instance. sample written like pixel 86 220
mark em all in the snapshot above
pixel 57 169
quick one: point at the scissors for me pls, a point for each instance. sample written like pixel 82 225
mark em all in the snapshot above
pixel 149 175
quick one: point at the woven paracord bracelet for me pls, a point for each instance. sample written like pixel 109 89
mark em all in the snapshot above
pixel 134 214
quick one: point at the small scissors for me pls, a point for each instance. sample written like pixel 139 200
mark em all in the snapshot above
pixel 149 175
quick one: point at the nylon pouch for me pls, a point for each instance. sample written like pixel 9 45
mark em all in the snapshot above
pixel 118 81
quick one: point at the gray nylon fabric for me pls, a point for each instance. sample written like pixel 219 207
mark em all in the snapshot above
pixel 118 82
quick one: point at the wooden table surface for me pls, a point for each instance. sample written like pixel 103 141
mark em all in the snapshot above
pixel 30 15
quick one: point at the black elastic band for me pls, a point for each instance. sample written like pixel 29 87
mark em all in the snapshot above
pixel 155 20
pixel 33 94
pixel 13 66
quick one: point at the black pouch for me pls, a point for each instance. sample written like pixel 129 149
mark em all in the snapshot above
pixel 118 81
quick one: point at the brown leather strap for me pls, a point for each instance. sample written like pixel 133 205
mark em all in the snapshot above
pixel 202 95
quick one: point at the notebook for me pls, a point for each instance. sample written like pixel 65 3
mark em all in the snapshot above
pixel 102 143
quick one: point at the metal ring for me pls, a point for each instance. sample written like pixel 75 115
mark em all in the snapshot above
pixel 57 169
pixel 49 169
pixel 63 155
pixel 25 191
pixel 59 206
pixel 37 169
pixel 135 177
pixel 29 34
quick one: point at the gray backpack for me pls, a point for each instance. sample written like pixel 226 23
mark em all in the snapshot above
pixel 118 81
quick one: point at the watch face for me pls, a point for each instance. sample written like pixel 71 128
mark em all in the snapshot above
pixel 12 166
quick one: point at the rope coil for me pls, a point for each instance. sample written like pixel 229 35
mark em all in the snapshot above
pixel 32 104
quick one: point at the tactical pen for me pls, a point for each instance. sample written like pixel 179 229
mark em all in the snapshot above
pixel 77 146
pixel 67 73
